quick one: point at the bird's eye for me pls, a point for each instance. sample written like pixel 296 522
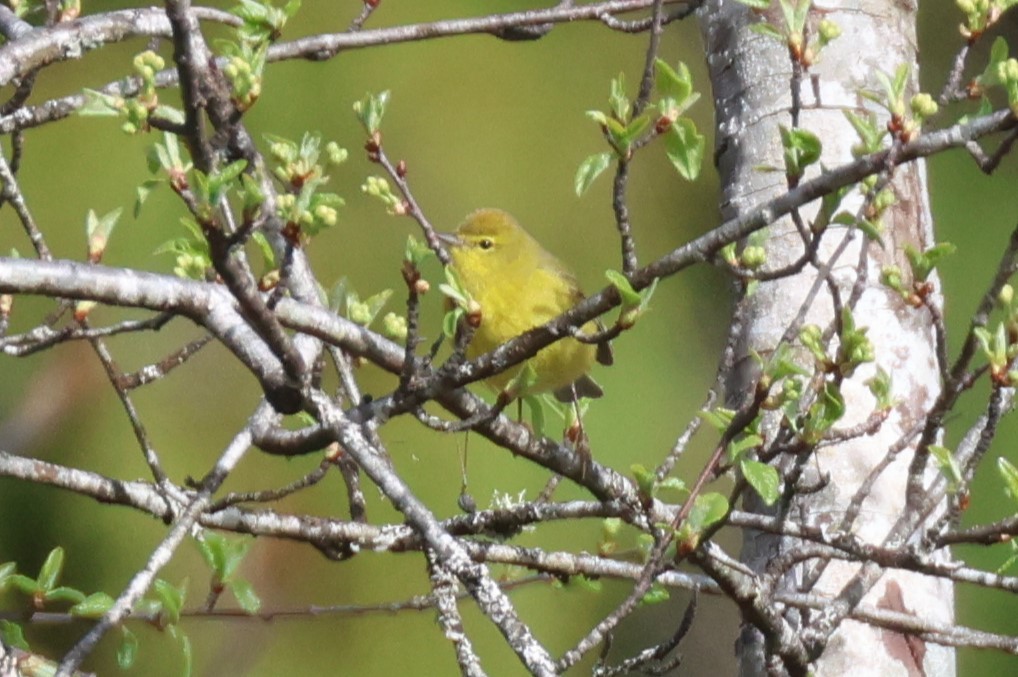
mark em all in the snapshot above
pixel 486 244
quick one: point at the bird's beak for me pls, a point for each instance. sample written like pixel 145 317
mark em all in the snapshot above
pixel 449 239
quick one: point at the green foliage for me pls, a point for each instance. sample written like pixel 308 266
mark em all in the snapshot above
pixel 416 252
pixel 24 8
pixel 923 263
pixel 998 350
pixel 263 21
pixel 345 300
pixel 792 30
pixel 708 509
pixel 871 133
pixel 13 635
pixel 827 410
pixel 948 466
pixel 590 169
pixel 93 606
pixel 684 145
pixel 127 650
pixel 523 381
pixel 893 95
pixel 304 207
pixel 1001 70
pixel 379 188
pixel 245 65
pixel 394 327
pixel 140 108
pixel 44 589
pixel 763 478
pixel 463 303
pixel 535 405
pixel 854 348
pixel 634 303
pixel 192 257
pixel 657 594
pixel 223 556
pixel 210 190
pixel 648 484
pixel 981 14
pixel 370 110
pixel 801 149
pixel 1009 474
pixel 98 230
pixel 880 387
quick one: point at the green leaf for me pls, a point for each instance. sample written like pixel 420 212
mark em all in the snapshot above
pixel 801 149
pixel 828 409
pixel 535 405
pixel 93 606
pixel 707 509
pixel 7 570
pixel 524 380
pixel 657 594
pixel 142 192
pixel 98 104
pixel 213 547
pixel 719 418
pixel 588 170
pixel 597 116
pixel 185 651
pixel 265 249
pixel 51 569
pixel 617 99
pixel 672 83
pixel 24 584
pixel 450 321
pixel 375 303
pixel 923 263
pixel 795 12
pixel 671 485
pixel 871 132
pixel 127 652
pixel 880 386
pixel 1009 474
pixel 948 466
pixel 370 110
pixel 453 288
pixel 635 129
pixel 782 364
pixel 763 478
pixel 416 251
pixel 630 297
pixel 755 4
pixel 64 594
pixel 829 205
pixel 767 30
pixel 999 53
pixel 171 598
pixel 684 147
pixel 646 480
pixel 246 596
pixel 12 635
pixel 744 443
pixel 811 337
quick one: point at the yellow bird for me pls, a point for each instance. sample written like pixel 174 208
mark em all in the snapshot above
pixel 520 285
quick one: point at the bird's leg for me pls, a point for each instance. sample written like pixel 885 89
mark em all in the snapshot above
pixel 575 432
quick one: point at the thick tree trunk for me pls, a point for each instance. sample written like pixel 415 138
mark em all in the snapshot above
pixel 751 76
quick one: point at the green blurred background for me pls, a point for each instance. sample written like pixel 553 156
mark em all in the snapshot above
pixel 480 122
